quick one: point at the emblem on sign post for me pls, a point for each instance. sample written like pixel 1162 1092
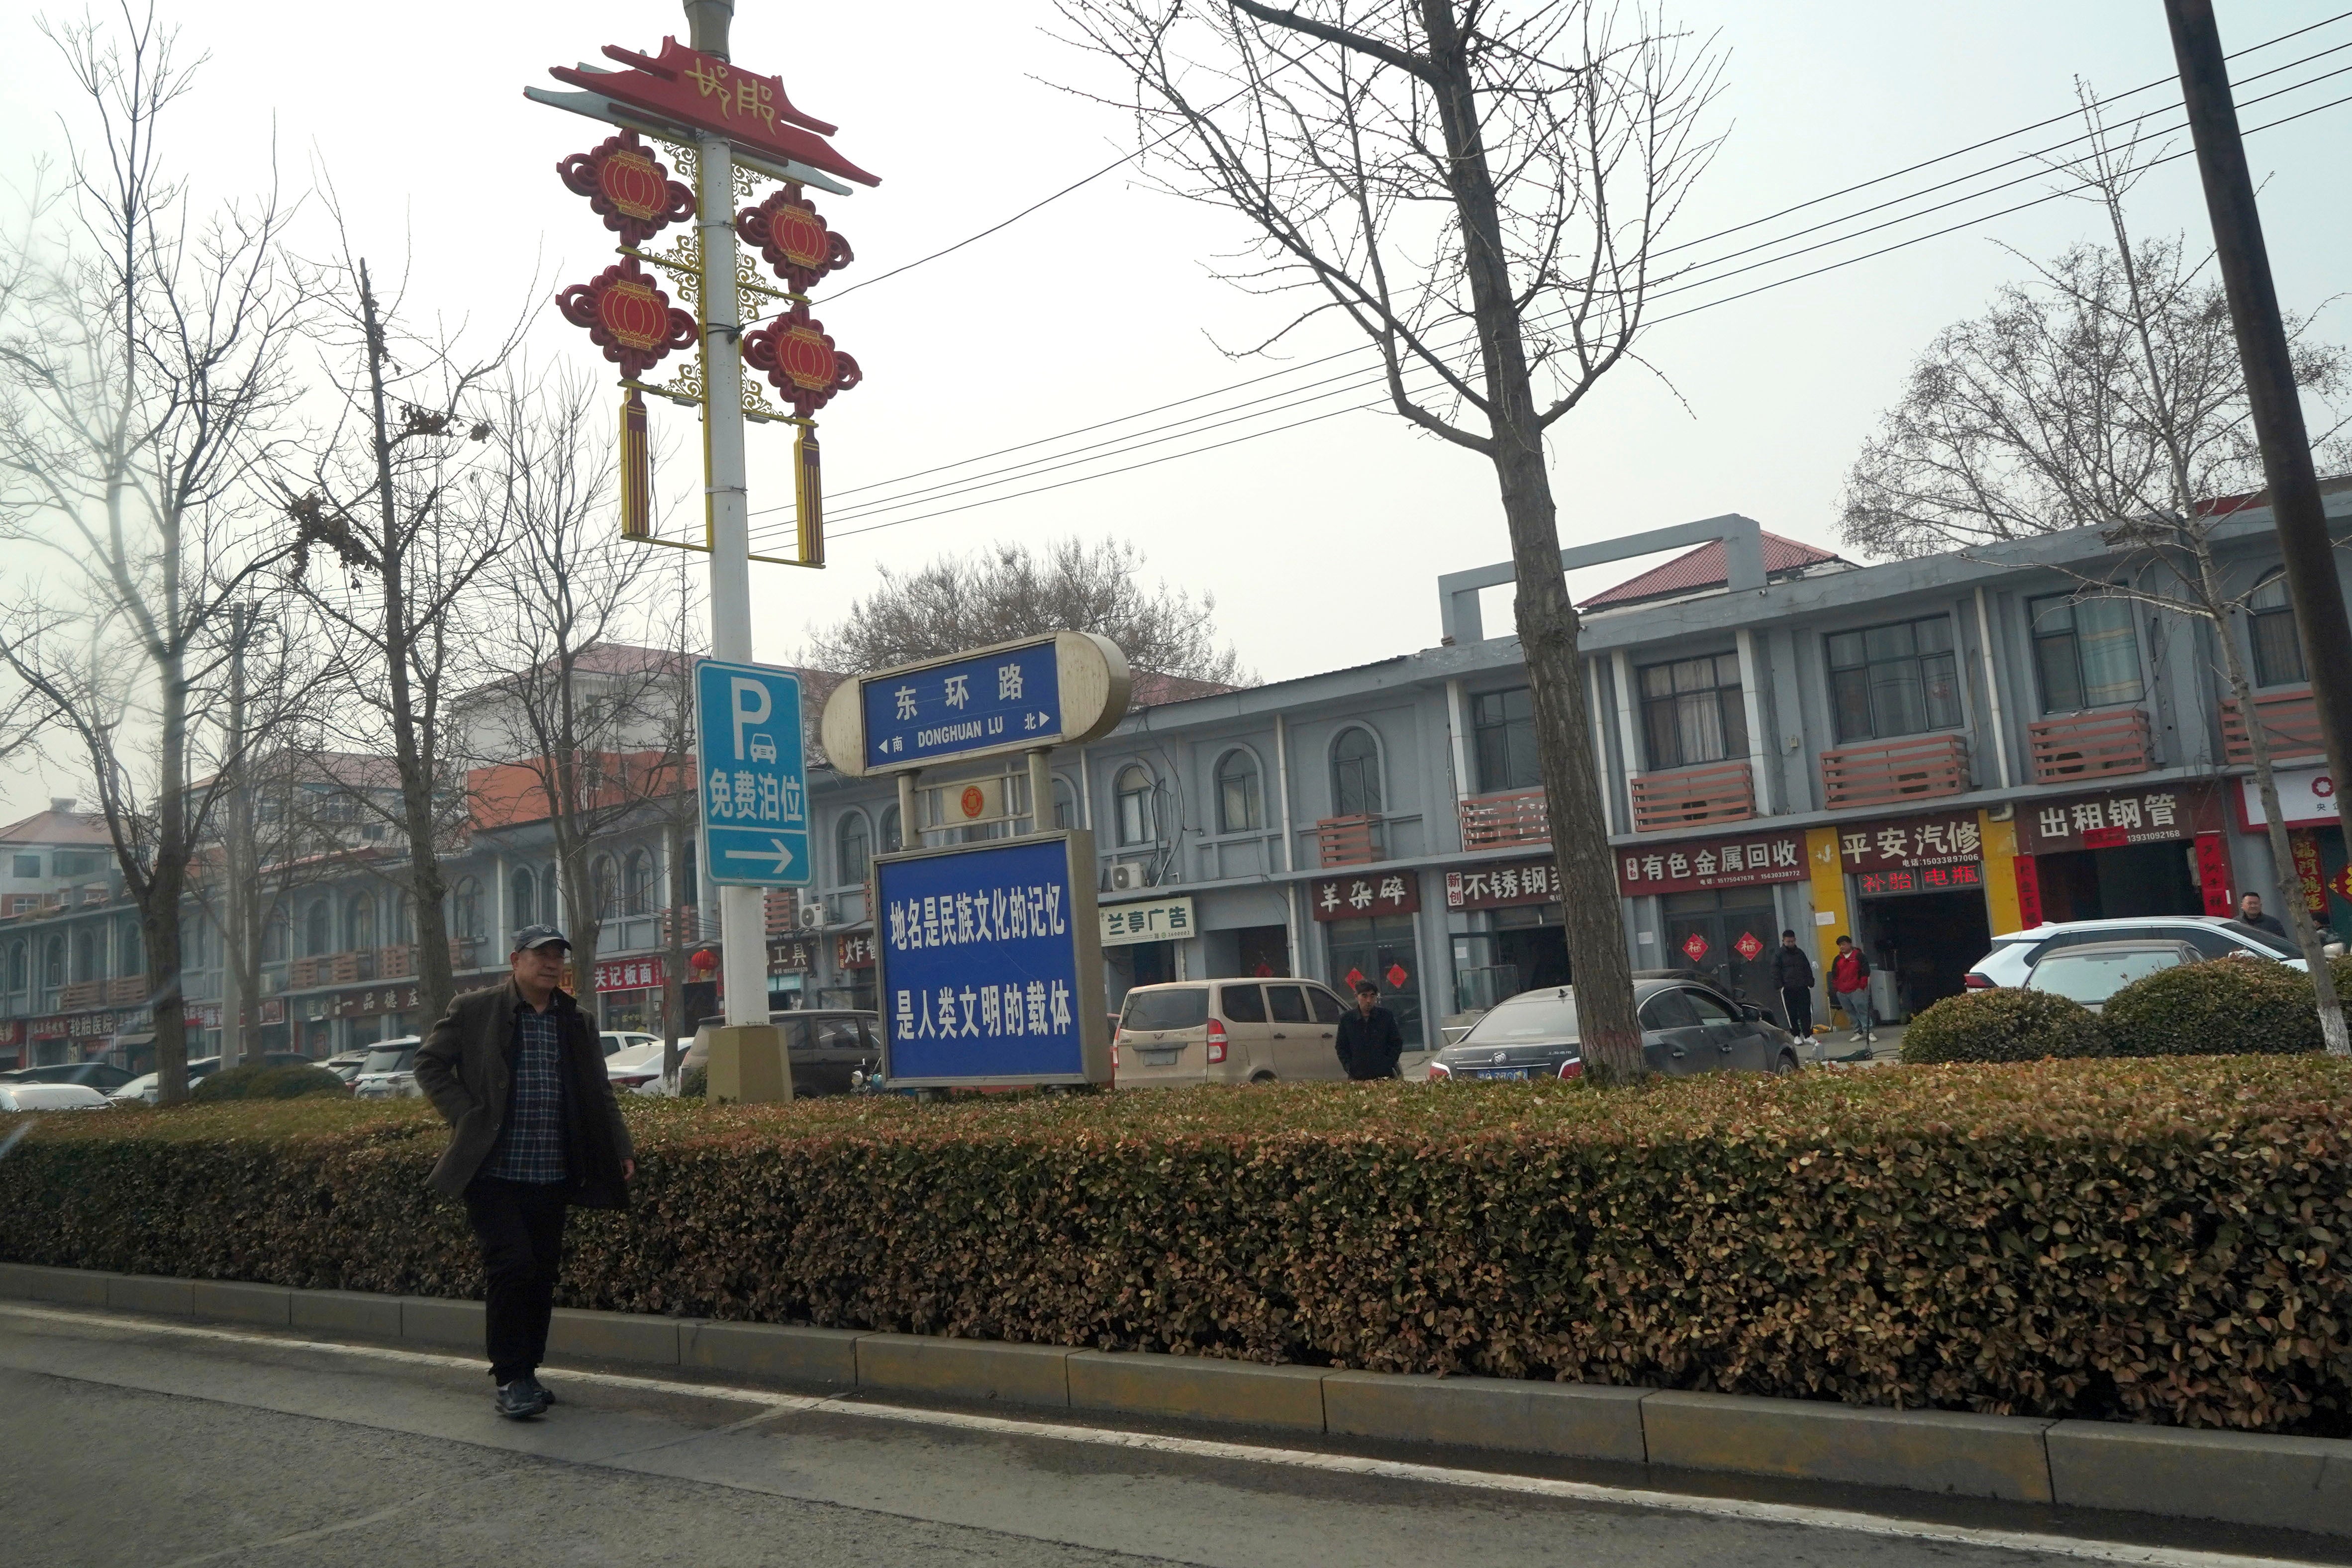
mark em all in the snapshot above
pixel 796 354
pixel 794 240
pixel 628 188
pixel 627 316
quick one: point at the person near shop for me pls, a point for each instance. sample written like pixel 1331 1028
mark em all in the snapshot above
pixel 1850 985
pixel 2250 910
pixel 516 1072
pixel 1369 1042
pixel 1792 972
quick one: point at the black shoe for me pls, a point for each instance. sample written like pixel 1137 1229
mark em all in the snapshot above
pixel 522 1399
pixel 546 1394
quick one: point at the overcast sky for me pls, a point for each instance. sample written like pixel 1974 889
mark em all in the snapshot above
pixel 1321 543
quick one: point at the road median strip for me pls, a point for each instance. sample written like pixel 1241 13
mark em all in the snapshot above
pixel 2297 1483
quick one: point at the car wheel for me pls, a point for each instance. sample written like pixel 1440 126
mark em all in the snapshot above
pixel 1263 1078
pixel 1784 1064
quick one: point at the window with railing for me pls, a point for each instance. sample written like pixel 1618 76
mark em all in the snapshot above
pixel 1897 680
pixel 2270 625
pixel 1503 737
pixel 1692 711
pixel 1355 773
pixel 2085 651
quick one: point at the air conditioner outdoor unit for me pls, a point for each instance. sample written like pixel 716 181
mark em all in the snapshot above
pixel 812 917
pixel 1127 874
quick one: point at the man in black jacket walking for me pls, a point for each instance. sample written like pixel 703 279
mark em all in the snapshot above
pixel 516 1073
pixel 1369 1041
pixel 1792 972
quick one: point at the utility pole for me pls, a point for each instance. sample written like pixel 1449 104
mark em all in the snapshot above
pixel 237 843
pixel 2310 581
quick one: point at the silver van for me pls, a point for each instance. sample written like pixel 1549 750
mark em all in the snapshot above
pixel 1227 1031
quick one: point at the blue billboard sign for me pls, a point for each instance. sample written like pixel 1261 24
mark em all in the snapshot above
pixel 990 969
pixel 753 777
pixel 980 704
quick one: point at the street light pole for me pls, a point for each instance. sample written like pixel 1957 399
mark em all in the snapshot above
pixel 742 911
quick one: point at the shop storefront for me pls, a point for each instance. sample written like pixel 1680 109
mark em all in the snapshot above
pixel 1372 931
pixel 1140 945
pixel 629 992
pixel 2316 834
pixel 12 1044
pixel 2114 853
pixel 1919 883
pixel 1523 945
pixel 1717 904
pixel 791 960
pixel 365 1014
pixel 853 967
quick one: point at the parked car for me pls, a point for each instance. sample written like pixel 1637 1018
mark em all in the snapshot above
pixel 26 1096
pixel 613 1040
pixel 2014 955
pixel 390 1072
pixel 2092 972
pixel 825 1046
pixel 1688 1025
pixel 346 1064
pixel 1228 1031
pixel 103 1076
pixel 145 1089
pixel 633 1066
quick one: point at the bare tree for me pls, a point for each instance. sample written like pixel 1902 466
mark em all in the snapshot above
pixel 1481 194
pixel 2107 393
pixel 143 393
pixel 395 494
pixel 580 716
pixel 1010 591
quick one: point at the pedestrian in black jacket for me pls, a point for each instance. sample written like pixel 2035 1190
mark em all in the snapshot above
pixel 1792 972
pixel 1369 1041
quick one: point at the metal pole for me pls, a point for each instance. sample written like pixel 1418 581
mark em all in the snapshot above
pixel 2296 506
pixel 234 1002
pixel 742 911
pixel 1041 793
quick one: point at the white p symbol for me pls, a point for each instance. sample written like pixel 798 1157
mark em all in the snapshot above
pixel 742 696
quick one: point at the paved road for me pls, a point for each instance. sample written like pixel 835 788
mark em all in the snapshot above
pixel 165 1445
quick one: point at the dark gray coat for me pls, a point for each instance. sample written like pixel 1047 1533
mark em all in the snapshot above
pixel 465 1068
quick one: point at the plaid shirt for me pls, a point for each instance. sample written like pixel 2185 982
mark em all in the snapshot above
pixel 530 1145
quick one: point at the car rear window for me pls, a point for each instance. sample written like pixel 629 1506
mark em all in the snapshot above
pixel 1547 1019
pixel 397 1059
pixel 1242 1004
pixel 2095 976
pixel 1183 1007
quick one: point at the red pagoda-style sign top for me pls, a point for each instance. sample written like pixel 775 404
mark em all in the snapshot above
pixel 627 316
pixel 628 188
pixel 786 230
pixel 798 357
pixel 706 93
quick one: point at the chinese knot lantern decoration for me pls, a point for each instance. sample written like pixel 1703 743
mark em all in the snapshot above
pixel 627 316
pixel 628 188
pixel 798 358
pixel 788 233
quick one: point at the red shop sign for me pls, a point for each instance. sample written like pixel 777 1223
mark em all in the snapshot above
pixel 853 949
pixel 1363 898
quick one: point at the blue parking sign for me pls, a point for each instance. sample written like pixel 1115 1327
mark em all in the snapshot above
pixel 754 778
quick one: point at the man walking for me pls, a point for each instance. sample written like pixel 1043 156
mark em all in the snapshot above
pixel 1850 982
pixel 2249 909
pixel 516 1073
pixel 1369 1041
pixel 1792 972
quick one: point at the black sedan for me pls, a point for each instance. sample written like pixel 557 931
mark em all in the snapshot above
pixel 1688 1027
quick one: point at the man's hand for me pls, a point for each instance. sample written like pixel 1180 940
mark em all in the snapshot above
pixel 628 1170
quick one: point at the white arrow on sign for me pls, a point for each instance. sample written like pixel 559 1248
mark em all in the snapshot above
pixel 782 855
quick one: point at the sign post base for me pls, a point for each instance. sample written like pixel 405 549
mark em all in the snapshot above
pixel 748 1065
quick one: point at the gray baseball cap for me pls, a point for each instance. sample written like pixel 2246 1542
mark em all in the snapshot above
pixel 538 936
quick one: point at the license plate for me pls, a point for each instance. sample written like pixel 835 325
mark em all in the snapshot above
pixel 1501 1072
pixel 1162 1058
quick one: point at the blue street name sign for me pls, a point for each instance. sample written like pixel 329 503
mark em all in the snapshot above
pixel 983 956
pixel 754 779
pixel 985 703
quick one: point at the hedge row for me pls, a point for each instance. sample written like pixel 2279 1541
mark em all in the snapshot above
pixel 2226 1007
pixel 2144 1240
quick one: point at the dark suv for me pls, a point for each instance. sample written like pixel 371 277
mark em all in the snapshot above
pixel 1689 1025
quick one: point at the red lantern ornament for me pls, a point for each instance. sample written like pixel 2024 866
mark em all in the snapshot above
pixel 797 356
pixel 628 188
pixel 627 316
pixel 794 240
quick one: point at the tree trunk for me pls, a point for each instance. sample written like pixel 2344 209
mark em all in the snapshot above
pixel 167 881
pixel 681 896
pixel 1546 618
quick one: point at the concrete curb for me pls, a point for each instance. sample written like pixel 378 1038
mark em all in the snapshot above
pixel 2295 1483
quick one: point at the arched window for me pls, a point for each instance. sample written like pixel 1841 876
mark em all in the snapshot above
pixel 89 954
pixel 20 967
pixel 1241 805
pixel 358 923
pixel 1355 773
pixel 638 886
pixel 854 848
pixel 1138 823
pixel 403 918
pixel 523 887
pixel 604 885
pixel 318 929
pixel 1066 802
pixel 894 835
pixel 465 911
pixel 53 962
pixel 2270 619
pixel 275 932
pixel 130 949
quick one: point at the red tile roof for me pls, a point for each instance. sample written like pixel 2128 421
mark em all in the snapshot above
pixel 57 827
pixel 1697 571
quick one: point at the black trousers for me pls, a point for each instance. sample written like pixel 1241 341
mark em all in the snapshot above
pixel 520 1227
pixel 1797 1001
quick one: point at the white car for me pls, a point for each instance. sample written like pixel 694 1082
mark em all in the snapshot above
pixel 2091 972
pixel 2014 955
pixel 52 1097
pixel 390 1072
pixel 633 1067
pixel 145 1089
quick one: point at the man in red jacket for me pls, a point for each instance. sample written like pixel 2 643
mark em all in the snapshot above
pixel 1849 984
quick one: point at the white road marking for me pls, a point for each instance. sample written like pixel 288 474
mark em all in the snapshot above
pixel 1846 1520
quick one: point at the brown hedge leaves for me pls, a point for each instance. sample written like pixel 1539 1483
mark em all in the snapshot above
pixel 2149 1240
